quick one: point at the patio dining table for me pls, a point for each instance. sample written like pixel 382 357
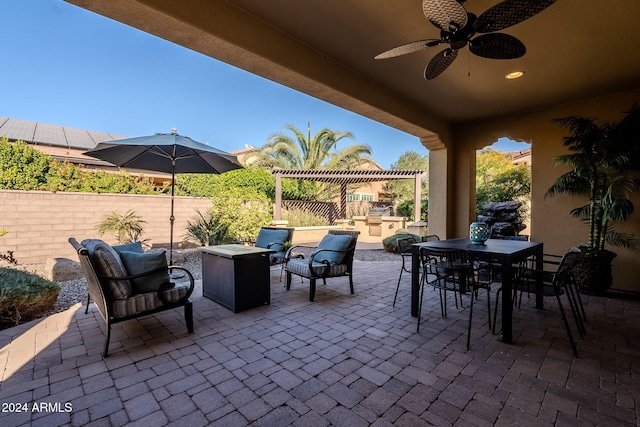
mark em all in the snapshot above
pixel 507 253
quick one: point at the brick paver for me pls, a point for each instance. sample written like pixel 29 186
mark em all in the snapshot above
pixel 343 360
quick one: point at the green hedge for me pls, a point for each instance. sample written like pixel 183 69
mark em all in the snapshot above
pixel 22 167
pixel 23 296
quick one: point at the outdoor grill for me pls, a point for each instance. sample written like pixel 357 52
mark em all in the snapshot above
pixel 374 216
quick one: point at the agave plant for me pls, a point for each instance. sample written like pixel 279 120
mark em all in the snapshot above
pixel 604 161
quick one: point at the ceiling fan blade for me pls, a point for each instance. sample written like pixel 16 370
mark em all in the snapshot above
pixel 508 13
pixel 447 15
pixel 408 48
pixel 439 63
pixel 497 46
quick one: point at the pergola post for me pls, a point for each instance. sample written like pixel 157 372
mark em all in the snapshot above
pixel 417 197
pixel 277 209
pixel 343 201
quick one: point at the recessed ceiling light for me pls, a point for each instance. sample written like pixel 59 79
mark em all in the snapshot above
pixel 514 75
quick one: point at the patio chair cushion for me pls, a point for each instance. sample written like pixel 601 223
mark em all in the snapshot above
pixel 301 268
pixel 139 263
pixel 129 247
pixel 108 263
pixel 139 303
pixel 268 236
pixel 334 242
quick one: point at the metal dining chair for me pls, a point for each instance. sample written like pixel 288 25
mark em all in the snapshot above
pixel 455 272
pixel 404 247
pixel 554 284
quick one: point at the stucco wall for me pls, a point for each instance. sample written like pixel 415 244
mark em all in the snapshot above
pixel 40 222
pixel 550 219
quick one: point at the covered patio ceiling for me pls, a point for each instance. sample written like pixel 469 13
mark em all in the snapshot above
pixel 576 50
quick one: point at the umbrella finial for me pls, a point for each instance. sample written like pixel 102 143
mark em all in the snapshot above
pixel 174 131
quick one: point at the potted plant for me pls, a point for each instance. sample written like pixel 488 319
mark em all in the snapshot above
pixel 604 161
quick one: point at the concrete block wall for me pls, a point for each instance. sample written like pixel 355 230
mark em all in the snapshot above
pixel 40 222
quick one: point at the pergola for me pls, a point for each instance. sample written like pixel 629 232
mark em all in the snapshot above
pixel 344 178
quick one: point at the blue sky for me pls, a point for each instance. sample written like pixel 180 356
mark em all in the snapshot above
pixel 66 66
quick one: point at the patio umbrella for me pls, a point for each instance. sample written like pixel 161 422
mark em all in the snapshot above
pixel 165 152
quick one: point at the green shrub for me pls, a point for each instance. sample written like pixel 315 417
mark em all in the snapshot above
pixel 258 179
pixel 390 243
pixel 65 176
pixel 22 167
pixel 302 218
pixel 243 210
pixel 24 295
pixel 405 208
pixel 207 185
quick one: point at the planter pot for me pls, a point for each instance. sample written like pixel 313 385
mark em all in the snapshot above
pixel 593 273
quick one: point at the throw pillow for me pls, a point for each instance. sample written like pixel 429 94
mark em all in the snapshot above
pixel 138 263
pixel 108 263
pixel 335 242
pixel 129 247
pixel 267 236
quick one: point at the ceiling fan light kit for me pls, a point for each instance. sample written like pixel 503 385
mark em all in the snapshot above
pixel 458 29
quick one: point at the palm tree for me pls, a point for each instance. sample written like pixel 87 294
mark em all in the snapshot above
pixel 126 228
pixel 604 161
pixel 305 152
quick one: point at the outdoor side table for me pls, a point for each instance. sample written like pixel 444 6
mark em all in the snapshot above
pixel 236 276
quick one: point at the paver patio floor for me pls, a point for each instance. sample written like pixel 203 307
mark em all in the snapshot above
pixel 343 360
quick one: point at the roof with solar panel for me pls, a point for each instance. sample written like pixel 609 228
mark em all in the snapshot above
pixel 53 135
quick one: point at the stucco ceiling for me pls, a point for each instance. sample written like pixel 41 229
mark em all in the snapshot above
pixel 576 49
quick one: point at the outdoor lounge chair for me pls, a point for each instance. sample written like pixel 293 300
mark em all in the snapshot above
pixel 333 257
pixel 128 285
pixel 277 239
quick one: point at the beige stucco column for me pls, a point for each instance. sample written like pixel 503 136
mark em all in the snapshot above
pixel 439 186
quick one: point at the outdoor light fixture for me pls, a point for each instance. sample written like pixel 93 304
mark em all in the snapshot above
pixel 514 75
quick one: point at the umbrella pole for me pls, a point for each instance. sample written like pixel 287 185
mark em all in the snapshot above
pixel 172 218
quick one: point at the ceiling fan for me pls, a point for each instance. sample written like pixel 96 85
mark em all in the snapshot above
pixel 458 28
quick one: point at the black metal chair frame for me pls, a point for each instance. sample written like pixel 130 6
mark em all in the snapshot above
pixel 103 300
pixel 451 271
pixel 324 274
pixel 555 284
pixel 404 247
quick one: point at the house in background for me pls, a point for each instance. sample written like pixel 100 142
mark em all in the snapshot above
pixel 60 142
pixel 67 144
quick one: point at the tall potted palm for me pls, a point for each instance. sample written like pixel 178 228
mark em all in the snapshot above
pixel 604 161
